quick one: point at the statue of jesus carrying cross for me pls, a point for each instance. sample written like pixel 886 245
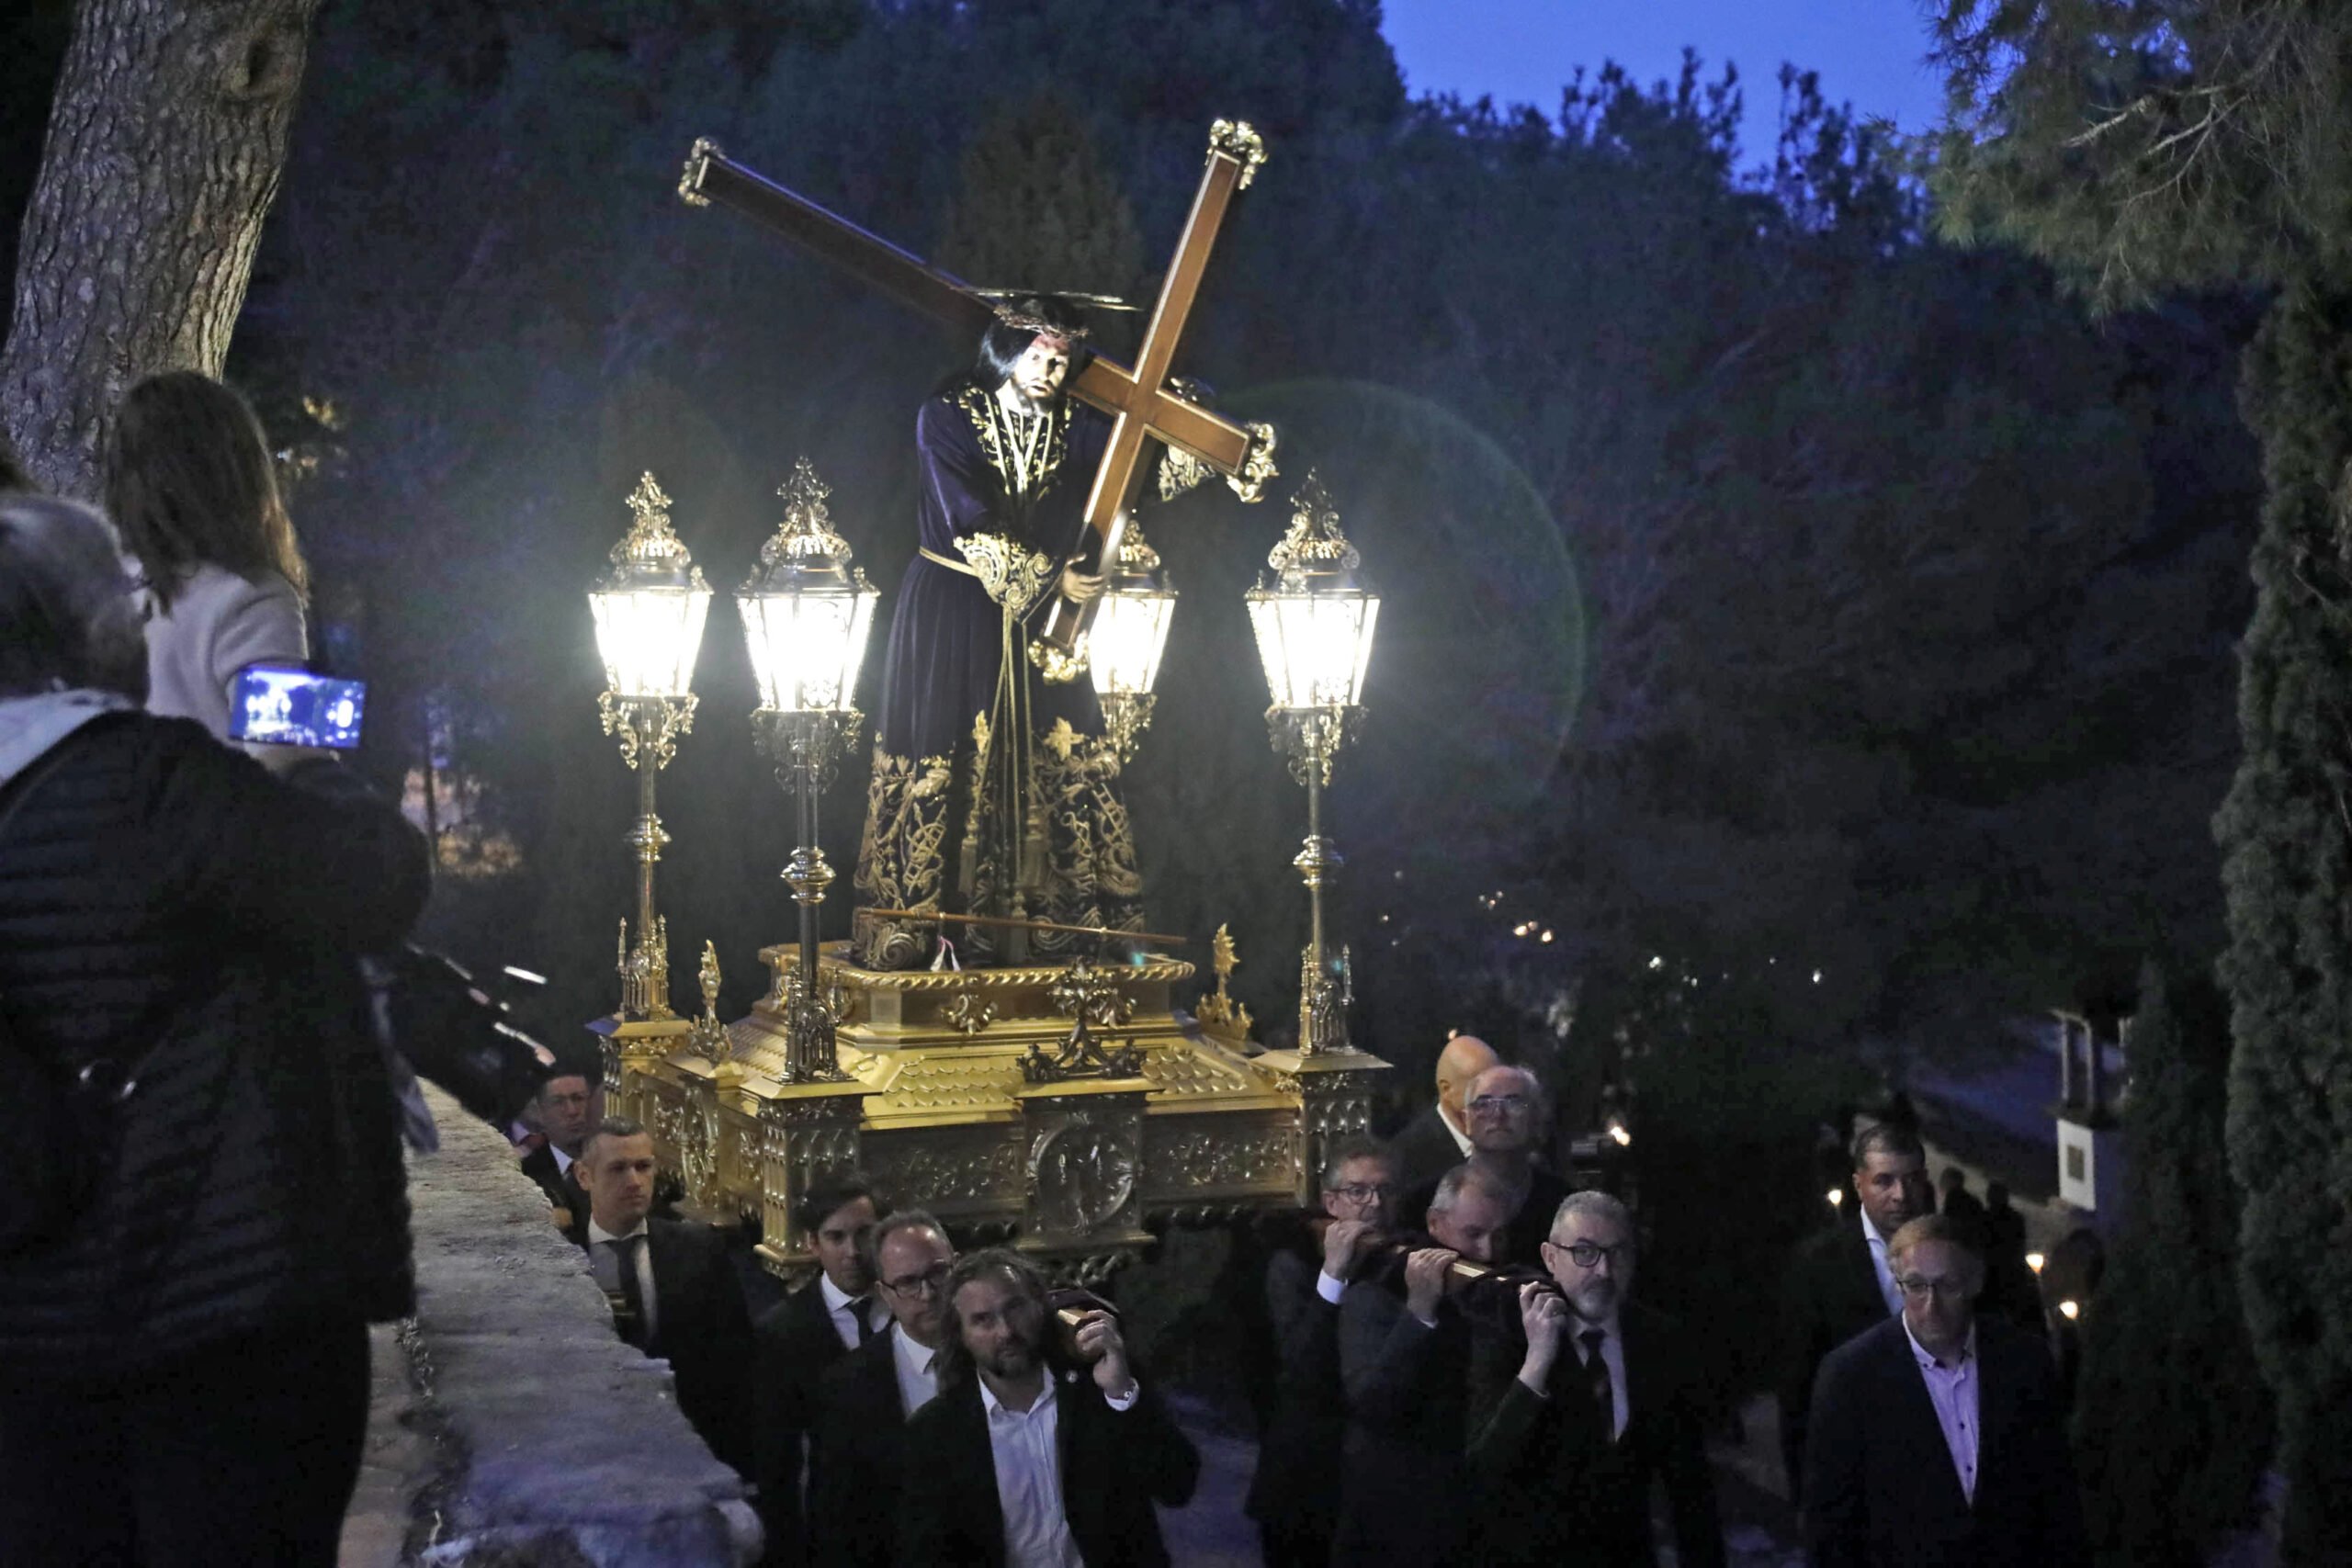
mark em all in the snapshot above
pixel 994 792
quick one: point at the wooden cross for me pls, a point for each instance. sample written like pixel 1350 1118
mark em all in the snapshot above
pixel 1140 401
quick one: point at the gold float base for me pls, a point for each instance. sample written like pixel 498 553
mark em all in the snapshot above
pixel 952 1104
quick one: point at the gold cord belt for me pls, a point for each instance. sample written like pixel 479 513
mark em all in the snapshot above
pixel 937 559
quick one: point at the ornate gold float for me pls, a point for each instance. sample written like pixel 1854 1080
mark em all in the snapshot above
pixel 1063 1107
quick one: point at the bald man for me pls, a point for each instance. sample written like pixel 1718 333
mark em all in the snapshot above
pixel 1438 1138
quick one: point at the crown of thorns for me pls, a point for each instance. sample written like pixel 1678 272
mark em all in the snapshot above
pixel 1002 301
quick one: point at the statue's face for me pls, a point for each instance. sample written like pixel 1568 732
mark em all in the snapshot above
pixel 1038 374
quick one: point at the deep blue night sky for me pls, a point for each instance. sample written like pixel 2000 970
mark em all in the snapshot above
pixel 1868 51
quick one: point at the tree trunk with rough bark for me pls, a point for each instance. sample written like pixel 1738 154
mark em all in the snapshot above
pixel 165 145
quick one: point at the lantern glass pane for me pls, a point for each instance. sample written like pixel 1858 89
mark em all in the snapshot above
pixel 1315 647
pixel 648 638
pixel 1129 634
pixel 805 647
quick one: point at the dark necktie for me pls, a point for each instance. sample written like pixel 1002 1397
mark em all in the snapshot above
pixel 1596 1378
pixel 863 1307
pixel 625 1250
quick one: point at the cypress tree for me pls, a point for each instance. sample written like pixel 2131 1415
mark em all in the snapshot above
pixel 1036 207
pixel 2170 1429
pixel 2140 146
pixel 2287 873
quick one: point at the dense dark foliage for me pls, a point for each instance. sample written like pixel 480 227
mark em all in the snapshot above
pixel 2170 1433
pixel 2141 147
pixel 1800 634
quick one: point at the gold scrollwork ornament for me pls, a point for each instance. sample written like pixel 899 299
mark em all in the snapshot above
pixel 1240 141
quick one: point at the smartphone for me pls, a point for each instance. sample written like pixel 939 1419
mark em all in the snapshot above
pixel 285 704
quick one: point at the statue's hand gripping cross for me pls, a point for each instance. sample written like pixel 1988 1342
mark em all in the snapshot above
pixel 1140 401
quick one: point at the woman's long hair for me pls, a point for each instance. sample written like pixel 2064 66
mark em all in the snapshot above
pixel 189 483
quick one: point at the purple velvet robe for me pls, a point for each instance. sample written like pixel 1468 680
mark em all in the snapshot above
pixel 944 827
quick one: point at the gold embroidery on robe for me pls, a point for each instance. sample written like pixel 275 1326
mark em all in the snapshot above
pixel 1091 875
pixel 1012 574
pixel 1033 476
pixel 902 858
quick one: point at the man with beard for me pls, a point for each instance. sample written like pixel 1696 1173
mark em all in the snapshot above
pixel 1841 1281
pixel 1023 1462
pixel 994 790
pixel 1404 1362
pixel 856 1449
pixel 1294 1495
pixel 1596 1404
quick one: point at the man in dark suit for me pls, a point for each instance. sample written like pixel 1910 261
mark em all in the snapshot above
pixel 566 1106
pixel 1294 1495
pixel 1936 1441
pixel 1024 1459
pixel 1508 1114
pixel 1404 1363
pixel 676 1293
pixel 1841 1282
pixel 802 1336
pixel 1439 1139
pixel 857 1447
pixel 1574 1414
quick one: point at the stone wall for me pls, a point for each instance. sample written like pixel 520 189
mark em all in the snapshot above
pixel 510 1424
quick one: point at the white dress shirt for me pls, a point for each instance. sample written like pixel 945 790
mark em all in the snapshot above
pixel 1029 1480
pixel 842 1307
pixel 1954 1389
pixel 604 1261
pixel 1026 1447
pixel 562 1160
pixel 918 1371
pixel 1889 1292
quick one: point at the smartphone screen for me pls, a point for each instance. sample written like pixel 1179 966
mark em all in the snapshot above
pixel 283 704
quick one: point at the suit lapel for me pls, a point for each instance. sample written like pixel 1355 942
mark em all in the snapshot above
pixel 1633 1343
pixel 1861 1270
pixel 1915 1409
pixel 1066 1390
pixel 661 1245
pixel 1996 1399
pixel 882 1376
pixel 988 1508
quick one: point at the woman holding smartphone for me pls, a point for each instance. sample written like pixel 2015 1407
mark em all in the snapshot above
pixel 191 485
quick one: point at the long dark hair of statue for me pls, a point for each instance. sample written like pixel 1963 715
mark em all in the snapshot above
pixel 1002 346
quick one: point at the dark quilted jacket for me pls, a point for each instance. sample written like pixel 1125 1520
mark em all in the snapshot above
pixel 160 890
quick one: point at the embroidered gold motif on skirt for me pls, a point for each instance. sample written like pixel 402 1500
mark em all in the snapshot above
pixel 931 842
pixel 902 858
pixel 1090 876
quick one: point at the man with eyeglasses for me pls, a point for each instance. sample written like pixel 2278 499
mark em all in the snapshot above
pixel 1571 1417
pixel 1404 1366
pixel 1438 1138
pixel 1507 1114
pixel 1937 1437
pixel 857 1443
pixel 1295 1497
